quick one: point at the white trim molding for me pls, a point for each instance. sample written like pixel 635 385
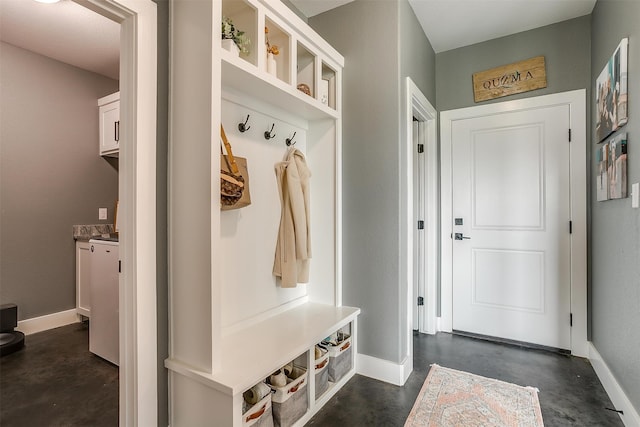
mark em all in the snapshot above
pixel 137 194
pixel 384 370
pixel 578 160
pixel 417 105
pixel 48 321
pixel 621 402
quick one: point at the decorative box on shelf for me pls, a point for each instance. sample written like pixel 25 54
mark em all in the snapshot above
pixel 322 374
pixel 260 414
pixel 290 402
pixel 340 359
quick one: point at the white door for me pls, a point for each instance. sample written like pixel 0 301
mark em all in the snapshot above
pixel 511 210
pixel 419 225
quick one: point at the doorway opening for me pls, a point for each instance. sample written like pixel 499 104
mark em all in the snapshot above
pixel 137 206
pixel 422 221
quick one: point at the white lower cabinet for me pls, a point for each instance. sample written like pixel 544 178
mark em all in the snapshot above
pixel 83 279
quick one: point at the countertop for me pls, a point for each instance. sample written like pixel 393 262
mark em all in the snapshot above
pixel 83 233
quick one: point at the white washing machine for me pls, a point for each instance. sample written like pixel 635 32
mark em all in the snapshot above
pixel 104 331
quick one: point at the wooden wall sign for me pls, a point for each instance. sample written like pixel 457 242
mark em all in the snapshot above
pixel 518 77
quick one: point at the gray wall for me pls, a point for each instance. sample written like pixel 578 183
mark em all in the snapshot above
pixel 417 58
pixel 294 9
pixel 370 167
pixel 565 46
pixel 372 83
pixel 51 176
pixel 615 248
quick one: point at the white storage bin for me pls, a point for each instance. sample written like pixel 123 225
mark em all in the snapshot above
pixel 260 414
pixel 340 360
pixel 290 402
pixel 322 374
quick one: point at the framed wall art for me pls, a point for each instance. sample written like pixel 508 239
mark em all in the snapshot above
pixel 611 93
pixel 617 169
pixel 602 172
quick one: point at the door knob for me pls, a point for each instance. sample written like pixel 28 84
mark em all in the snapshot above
pixel 460 236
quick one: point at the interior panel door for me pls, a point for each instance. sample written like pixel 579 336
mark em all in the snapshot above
pixel 511 209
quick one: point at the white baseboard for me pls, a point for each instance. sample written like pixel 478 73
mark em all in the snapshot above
pixel 618 397
pixel 49 321
pixel 384 370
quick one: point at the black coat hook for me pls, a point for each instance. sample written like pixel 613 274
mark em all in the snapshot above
pixel 242 127
pixel 268 134
pixel 290 141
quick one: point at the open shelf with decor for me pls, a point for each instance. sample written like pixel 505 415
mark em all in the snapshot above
pixel 240 30
pixel 305 69
pixel 327 89
pixel 277 48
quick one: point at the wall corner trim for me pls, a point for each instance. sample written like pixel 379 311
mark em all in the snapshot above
pixel 618 397
pixel 384 370
pixel 48 321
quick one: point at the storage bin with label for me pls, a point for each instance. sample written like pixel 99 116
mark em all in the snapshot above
pixel 340 360
pixel 260 414
pixel 290 402
pixel 322 374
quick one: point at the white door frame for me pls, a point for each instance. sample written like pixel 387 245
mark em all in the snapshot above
pixel 137 208
pixel 576 100
pixel 417 105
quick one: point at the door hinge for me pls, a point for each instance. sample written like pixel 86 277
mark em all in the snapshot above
pixel 420 148
pixel 119 266
pixel 570 319
pixel 421 225
pixel 420 300
pixel 570 227
pixel 569 135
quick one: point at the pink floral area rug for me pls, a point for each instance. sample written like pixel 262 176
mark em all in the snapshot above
pixel 451 398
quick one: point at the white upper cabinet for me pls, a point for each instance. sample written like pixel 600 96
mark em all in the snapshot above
pixel 109 112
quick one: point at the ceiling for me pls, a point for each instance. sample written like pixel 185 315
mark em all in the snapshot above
pixel 64 31
pixel 75 35
pixel 450 24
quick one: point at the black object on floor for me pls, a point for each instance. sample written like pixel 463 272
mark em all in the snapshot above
pixel 10 340
pixel 570 392
pixel 56 381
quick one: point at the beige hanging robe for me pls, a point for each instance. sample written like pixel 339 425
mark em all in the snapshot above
pixel 293 248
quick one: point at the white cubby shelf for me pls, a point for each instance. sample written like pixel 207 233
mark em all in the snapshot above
pixel 252 353
pixel 245 77
pixel 231 323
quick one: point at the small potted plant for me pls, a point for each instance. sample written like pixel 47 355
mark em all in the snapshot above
pixel 272 51
pixel 234 40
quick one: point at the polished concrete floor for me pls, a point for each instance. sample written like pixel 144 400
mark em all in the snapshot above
pixel 570 393
pixel 56 381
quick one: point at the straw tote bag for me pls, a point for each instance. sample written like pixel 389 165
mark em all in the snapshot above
pixel 234 178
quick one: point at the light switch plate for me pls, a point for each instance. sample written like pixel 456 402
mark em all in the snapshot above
pixel 102 213
pixel 635 195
